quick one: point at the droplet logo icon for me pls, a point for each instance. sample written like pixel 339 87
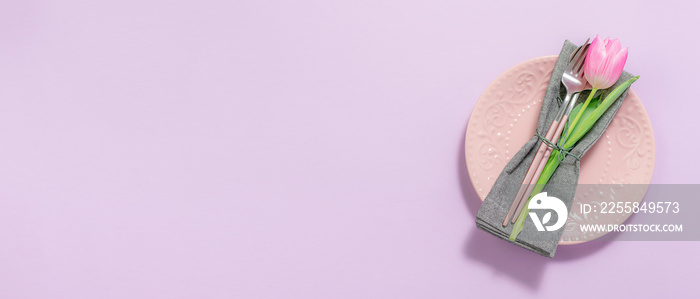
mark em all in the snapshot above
pixel 543 202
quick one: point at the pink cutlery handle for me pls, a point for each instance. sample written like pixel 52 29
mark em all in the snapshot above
pixel 531 171
pixel 540 166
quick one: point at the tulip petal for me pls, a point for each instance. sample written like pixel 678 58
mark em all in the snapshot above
pixel 610 50
pixel 594 55
pixel 605 76
pixel 607 44
pixel 613 69
pixel 615 47
pixel 607 64
pixel 595 61
pixel 618 64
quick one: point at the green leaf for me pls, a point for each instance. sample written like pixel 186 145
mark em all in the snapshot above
pixel 591 119
pixel 591 107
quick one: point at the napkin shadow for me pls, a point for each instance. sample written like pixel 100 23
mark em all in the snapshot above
pixel 506 259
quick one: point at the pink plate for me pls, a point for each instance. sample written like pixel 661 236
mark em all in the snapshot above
pixel 505 117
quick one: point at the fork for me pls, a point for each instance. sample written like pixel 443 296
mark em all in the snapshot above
pixel 574 82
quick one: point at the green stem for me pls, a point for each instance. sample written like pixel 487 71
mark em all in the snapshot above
pixel 547 173
pixel 573 124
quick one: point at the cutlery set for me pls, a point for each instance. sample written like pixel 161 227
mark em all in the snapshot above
pixel 574 82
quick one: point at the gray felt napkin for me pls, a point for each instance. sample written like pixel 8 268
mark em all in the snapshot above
pixel 561 185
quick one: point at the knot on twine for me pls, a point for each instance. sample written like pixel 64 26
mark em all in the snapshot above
pixel 560 100
pixel 557 147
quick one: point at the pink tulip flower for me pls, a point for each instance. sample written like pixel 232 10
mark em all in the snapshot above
pixel 604 62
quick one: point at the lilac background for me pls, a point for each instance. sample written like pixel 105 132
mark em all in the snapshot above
pixel 299 149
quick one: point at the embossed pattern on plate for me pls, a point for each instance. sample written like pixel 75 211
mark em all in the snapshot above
pixel 505 117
